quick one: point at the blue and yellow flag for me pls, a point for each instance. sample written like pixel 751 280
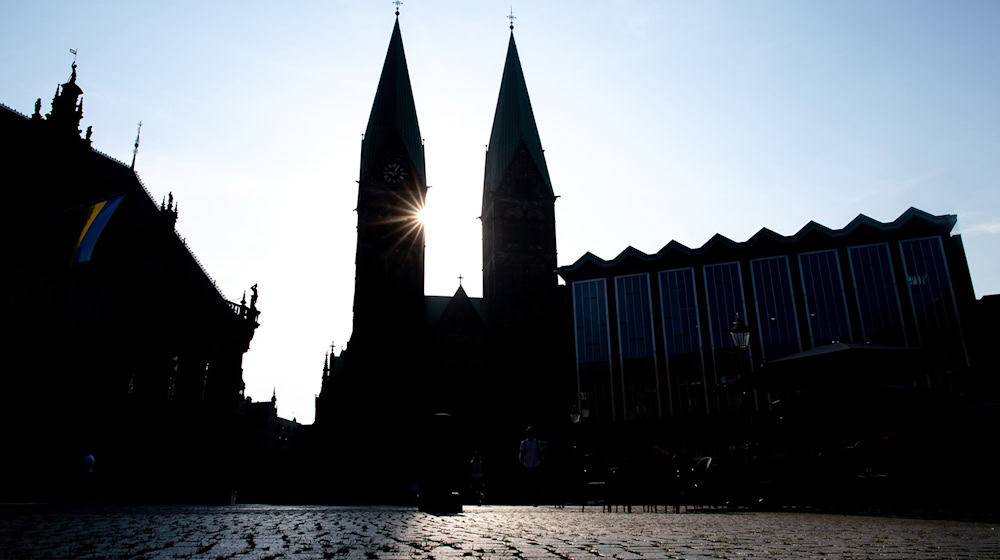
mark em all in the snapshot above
pixel 97 217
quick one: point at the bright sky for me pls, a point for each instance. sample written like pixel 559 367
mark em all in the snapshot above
pixel 660 120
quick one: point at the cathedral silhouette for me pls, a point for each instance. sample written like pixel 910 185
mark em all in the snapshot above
pixel 490 359
pixel 752 354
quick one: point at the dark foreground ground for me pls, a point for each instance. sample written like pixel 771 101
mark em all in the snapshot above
pixel 481 532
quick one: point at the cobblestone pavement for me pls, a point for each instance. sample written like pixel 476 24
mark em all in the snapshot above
pixel 481 532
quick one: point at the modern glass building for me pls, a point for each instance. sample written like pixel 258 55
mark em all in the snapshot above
pixel 652 331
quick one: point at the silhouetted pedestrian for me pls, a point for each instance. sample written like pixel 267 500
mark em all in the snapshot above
pixel 477 479
pixel 531 456
pixel 89 474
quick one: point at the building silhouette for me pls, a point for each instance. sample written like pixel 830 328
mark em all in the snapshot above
pixel 117 342
pixel 121 347
pixel 413 354
pixel 860 326
pixel 835 311
pixel 491 362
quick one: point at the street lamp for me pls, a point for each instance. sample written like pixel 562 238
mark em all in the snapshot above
pixel 740 333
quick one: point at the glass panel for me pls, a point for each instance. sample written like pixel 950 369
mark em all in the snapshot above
pixel 826 305
pixel 930 290
pixel 878 302
pixel 682 339
pixel 724 300
pixel 593 353
pixel 591 320
pixel 635 326
pixel 724 297
pixel 635 340
pixel 777 325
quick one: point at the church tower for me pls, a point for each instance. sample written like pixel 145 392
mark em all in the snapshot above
pixel 67 107
pixel 518 216
pixel 389 282
pixel 519 257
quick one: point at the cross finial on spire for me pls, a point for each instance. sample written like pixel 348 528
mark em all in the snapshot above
pixel 398 3
pixel 511 17
pixel 460 280
pixel 135 150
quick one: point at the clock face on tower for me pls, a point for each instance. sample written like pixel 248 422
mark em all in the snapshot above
pixel 393 172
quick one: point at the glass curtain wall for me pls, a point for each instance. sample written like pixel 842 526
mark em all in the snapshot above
pixel 777 324
pixel 878 300
pixel 682 340
pixel 724 300
pixel 641 394
pixel 826 304
pixel 929 285
pixel 593 350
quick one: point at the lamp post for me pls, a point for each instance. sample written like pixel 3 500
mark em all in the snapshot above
pixel 740 333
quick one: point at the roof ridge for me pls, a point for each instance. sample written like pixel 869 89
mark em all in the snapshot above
pixel 764 233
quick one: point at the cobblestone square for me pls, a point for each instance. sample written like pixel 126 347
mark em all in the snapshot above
pixel 271 532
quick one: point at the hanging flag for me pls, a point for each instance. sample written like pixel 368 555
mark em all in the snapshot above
pixel 97 217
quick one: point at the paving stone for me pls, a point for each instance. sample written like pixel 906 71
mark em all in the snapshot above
pixel 267 533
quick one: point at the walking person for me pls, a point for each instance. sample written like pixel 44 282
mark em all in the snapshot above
pixel 477 478
pixel 531 456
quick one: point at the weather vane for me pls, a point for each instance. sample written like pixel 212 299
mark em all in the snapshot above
pixel 73 52
pixel 398 3
pixel 511 17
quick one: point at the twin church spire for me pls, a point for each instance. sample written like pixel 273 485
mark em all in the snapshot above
pixel 513 127
pixel 518 219
pixel 395 330
pixel 394 115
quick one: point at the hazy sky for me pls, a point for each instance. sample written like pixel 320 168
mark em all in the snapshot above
pixel 660 120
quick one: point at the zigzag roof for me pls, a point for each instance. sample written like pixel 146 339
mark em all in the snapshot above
pixel 762 237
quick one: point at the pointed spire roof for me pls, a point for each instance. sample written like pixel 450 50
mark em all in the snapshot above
pixel 393 112
pixel 513 124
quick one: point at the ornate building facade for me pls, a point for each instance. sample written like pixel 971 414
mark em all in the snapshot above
pixel 117 342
